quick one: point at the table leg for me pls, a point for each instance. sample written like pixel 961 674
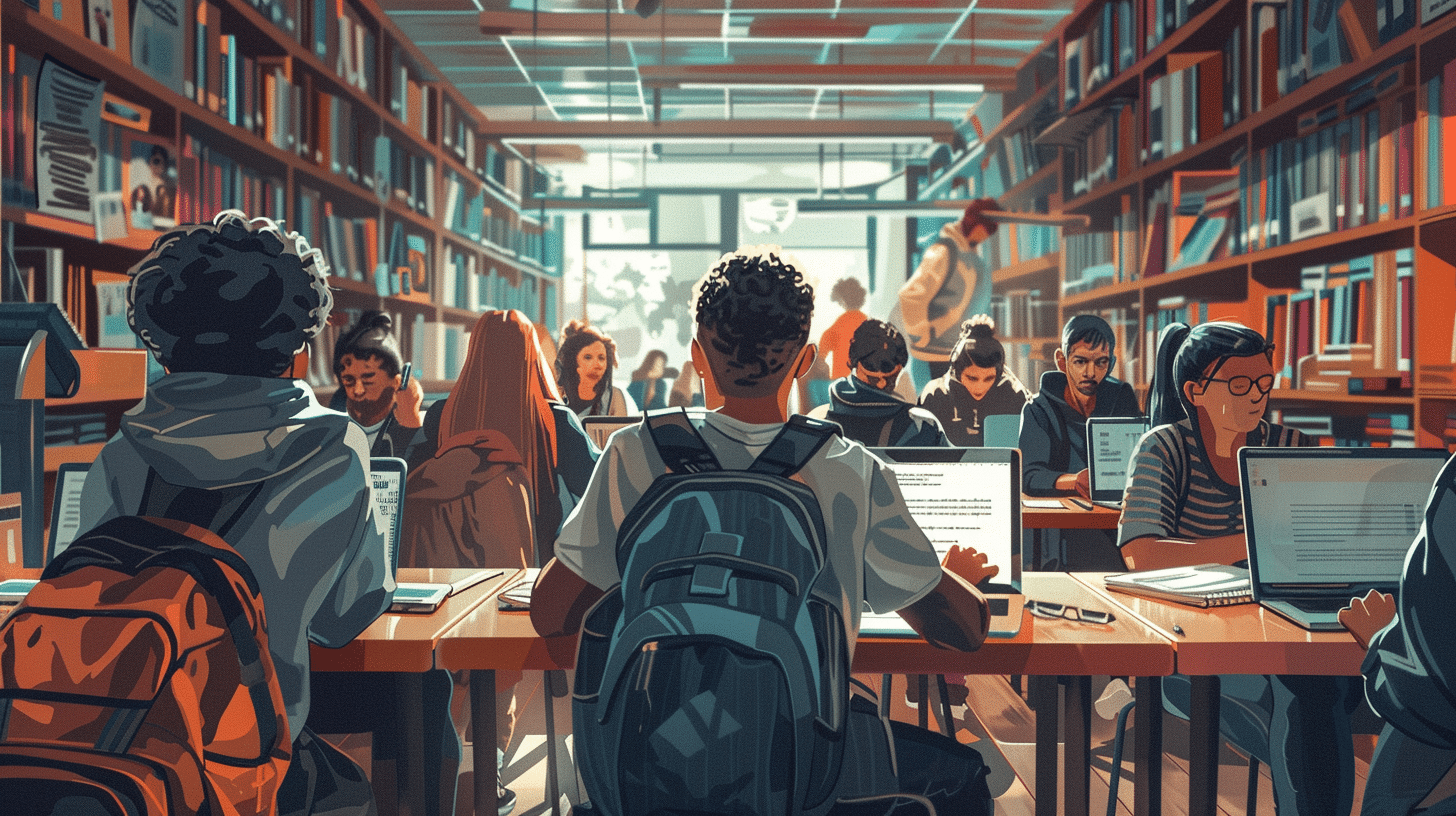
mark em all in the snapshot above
pixel 1203 746
pixel 944 713
pixel 482 720
pixel 922 682
pixel 1147 746
pixel 1043 694
pixel 553 794
pixel 1077 753
pixel 411 717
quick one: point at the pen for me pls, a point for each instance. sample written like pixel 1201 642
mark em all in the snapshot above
pixel 1085 505
pixel 1177 630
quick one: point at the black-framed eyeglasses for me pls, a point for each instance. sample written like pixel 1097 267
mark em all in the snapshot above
pixel 1241 385
pixel 1048 609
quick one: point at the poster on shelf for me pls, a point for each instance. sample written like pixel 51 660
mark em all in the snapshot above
pixel 150 182
pixel 158 41
pixel 68 141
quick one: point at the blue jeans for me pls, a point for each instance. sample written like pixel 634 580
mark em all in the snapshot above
pixel 1298 725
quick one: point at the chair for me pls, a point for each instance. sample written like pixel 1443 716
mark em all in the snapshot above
pixel 1001 430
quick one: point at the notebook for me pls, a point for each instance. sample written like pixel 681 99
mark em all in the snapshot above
pixel 1325 525
pixel 600 428
pixel 1111 443
pixel 970 497
pixel 1201 585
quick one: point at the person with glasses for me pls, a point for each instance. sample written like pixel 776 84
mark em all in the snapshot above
pixel 1182 507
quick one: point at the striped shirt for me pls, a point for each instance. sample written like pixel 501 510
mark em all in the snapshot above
pixel 1168 458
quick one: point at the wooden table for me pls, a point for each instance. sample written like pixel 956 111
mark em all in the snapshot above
pixel 487 640
pixel 1239 639
pixel 1068 516
pixel 404 645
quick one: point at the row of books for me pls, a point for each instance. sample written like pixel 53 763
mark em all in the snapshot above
pixel 64 430
pixel 1107 48
pixel 209 181
pixel 464 285
pixel 1015 243
pixel 1440 107
pixel 1297 41
pixel 1375 430
pixel 1029 361
pixel 410 100
pixel 1366 303
pixel 1024 313
pixel 1194 101
pixel 1095 259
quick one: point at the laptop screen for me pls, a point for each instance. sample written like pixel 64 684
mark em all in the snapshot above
pixel 387 475
pixel 1333 516
pixel 965 496
pixel 1111 442
pixel 600 428
pixel 66 507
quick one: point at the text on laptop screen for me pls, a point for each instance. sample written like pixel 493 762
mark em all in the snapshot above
pixel 1111 447
pixel 963 503
pixel 1349 520
pixel 387 500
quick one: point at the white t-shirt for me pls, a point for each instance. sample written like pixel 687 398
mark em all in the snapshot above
pixel 877 554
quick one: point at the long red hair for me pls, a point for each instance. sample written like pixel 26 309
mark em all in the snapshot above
pixel 506 386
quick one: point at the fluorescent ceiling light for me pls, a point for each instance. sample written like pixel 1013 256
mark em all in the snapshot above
pixel 639 141
pixel 823 86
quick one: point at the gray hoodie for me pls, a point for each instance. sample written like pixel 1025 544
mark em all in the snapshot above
pixel 310 536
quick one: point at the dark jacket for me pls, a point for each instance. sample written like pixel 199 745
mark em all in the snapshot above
pixel 880 419
pixel 576 456
pixel 960 414
pixel 1054 434
pixel 1410 668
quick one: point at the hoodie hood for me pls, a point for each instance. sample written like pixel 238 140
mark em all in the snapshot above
pixel 217 430
pixel 851 397
pixel 952 232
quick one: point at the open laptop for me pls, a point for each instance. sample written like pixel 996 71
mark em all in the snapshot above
pixel 970 497
pixel 600 428
pixel 1111 442
pixel 1325 525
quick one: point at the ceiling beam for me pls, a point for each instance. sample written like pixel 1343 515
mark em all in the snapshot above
pixel 624 26
pixel 994 78
pixel 815 130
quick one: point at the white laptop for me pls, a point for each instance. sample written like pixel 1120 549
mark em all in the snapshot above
pixel 1111 443
pixel 601 428
pixel 1325 525
pixel 970 497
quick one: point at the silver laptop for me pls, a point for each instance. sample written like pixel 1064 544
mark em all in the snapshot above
pixel 601 428
pixel 970 497
pixel 1325 525
pixel 1111 443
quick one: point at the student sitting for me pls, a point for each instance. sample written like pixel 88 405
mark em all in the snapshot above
pixel 367 366
pixel 1210 390
pixel 753 315
pixel 976 386
pixel 865 403
pixel 584 364
pixel 225 307
pixel 1410 666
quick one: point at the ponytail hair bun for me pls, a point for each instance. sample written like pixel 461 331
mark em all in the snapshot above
pixel 980 327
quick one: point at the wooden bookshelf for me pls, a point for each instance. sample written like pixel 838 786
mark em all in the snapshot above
pixel 461 209
pixel 1379 244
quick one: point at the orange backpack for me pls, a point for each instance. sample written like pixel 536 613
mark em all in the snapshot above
pixel 136 676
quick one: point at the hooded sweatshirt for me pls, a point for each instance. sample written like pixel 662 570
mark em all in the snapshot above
pixel 1054 434
pixel 310 536
pixel 880 419
pixel 950 284
pixel 961 415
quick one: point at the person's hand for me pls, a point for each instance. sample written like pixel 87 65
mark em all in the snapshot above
pixel 407 403
pixel 1366 616
pixel 969 564
pixel 1083 485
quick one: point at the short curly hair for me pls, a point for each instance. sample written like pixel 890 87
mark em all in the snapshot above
pixel 236 296
pixel 877 346
pixel 755 309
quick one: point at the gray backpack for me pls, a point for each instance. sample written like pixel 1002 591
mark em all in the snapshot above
pixel 713 679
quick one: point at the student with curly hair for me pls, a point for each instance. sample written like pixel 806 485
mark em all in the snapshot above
pixel 753 315
pixel 584 364
pixel 864 402
pixel 977 385
pixel 226 307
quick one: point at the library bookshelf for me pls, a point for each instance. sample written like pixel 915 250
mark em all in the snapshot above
pixel 317 113
pixel 1282 165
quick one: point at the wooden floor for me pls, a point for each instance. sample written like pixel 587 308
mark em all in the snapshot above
pixel 999 724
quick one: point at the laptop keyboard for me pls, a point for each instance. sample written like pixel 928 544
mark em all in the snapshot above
pixel 1330 605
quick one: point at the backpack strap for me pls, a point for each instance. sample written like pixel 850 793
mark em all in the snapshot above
pixel 678 442
pixel 796 443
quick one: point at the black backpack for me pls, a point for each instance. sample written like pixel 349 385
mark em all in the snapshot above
pixel 713 679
